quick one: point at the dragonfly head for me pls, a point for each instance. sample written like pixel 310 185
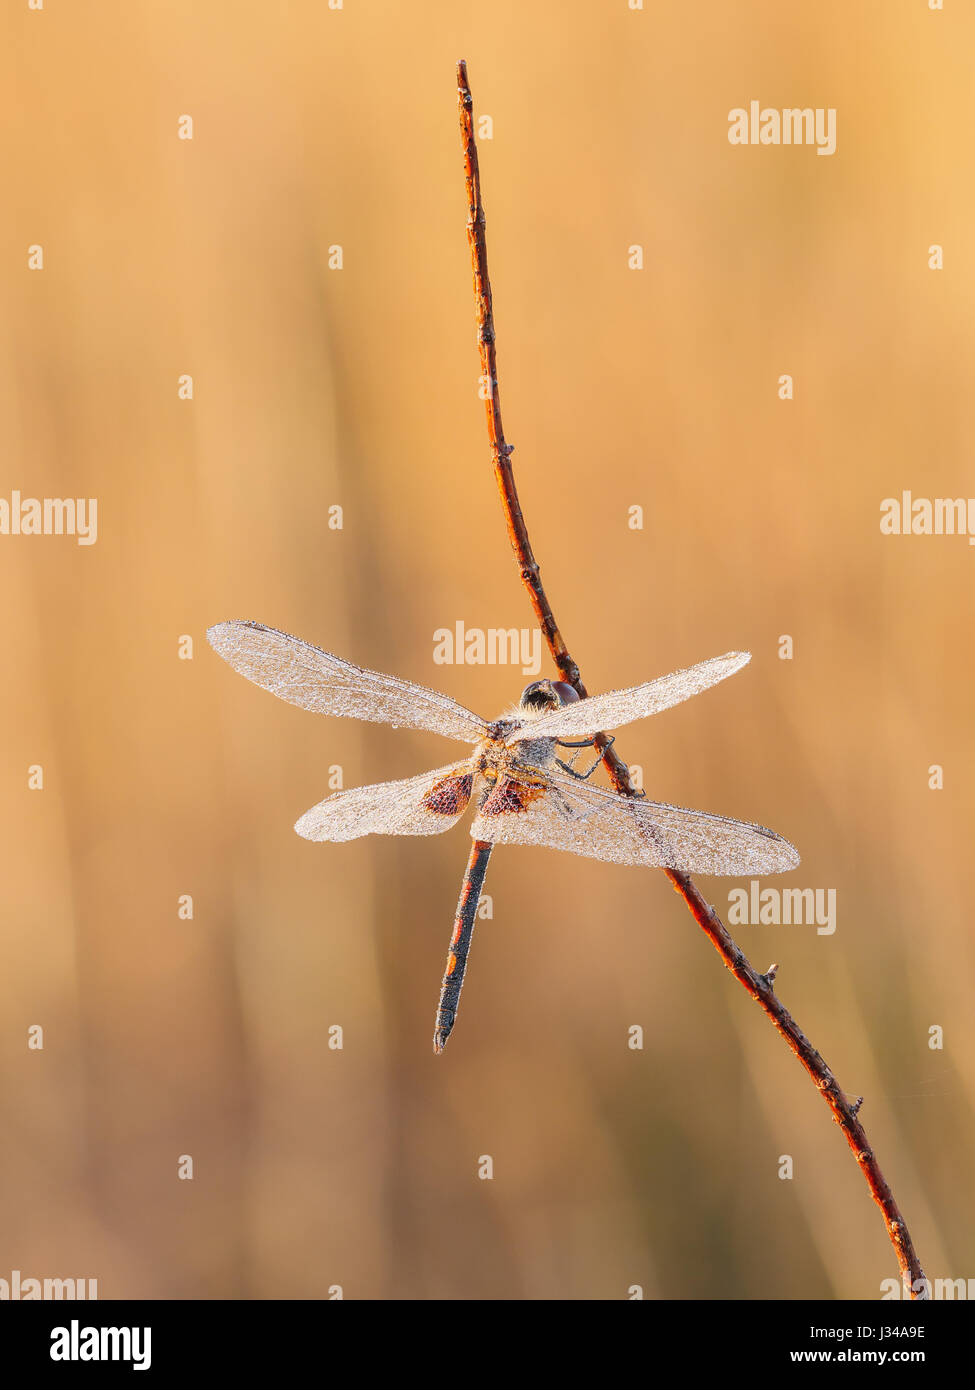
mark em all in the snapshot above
pixel 544 695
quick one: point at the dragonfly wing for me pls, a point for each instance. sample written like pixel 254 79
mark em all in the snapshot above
pixel 305 675
pixel 424 805
pixel 617 707
pixel 570 815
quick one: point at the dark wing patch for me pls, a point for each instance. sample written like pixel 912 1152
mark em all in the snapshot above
pixel 511 797
pixel 450 795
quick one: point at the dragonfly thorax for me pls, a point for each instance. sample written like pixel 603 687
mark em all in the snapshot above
pixel 492 756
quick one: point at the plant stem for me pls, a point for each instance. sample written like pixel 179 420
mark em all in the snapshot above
pixel 760 987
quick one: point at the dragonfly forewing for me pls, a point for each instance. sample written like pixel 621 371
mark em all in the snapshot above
pixel 619 707
pixel 316 680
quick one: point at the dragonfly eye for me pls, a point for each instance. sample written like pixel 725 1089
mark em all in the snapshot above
pixel 565 692
pixel 540 695
pixel 546 694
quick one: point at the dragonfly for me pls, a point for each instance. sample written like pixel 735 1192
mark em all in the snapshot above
pixel 523 792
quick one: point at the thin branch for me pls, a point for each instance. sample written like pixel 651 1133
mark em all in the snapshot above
pixel 760 987
pixel 517 531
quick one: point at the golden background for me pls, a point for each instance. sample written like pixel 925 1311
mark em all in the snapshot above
pixel 313 387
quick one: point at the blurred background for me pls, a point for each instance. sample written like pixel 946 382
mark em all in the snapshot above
pixel 356 387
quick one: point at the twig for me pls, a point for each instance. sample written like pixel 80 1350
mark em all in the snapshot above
pixel 760 987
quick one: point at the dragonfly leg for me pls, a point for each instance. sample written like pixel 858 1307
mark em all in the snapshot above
pixel 583 776
pixel 460 942
pixel 565 743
